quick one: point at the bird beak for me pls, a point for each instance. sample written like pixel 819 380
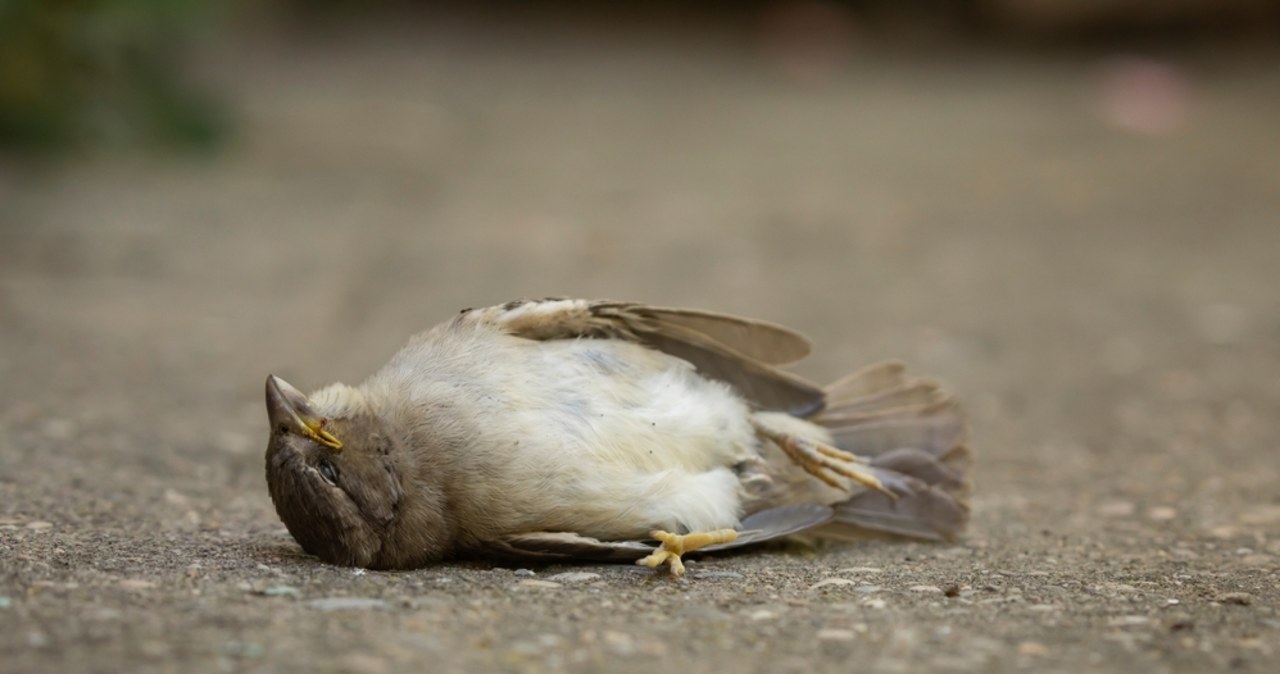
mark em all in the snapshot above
pixel 289 406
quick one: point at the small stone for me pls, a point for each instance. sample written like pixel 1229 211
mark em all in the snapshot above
pixel 525 573
pixel 830 582
pixel 282 591
pixel 762 614
pixel 346 603
pixel 875 603
pixel 1161 514
pixel 358 572
pixel 1033 649
pixel 244 649
pixel 135 584
pixel 835 635
pixel 1224 532
pixel 1116 509
pixel 1267 514
pixel 106 614
pixel 951 590
pixel 39 525
pixel 930 589
pixel 1236 598
pixel 538 584
pixel 5 602
pixel 574 577
pixel 861 569
pixel 1256 559
pixel 1042 608
pixel 1128 621
pixel 867 589
pixel 618 642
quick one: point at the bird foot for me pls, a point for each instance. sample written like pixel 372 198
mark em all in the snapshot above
pixel 825 462
pixel 675 545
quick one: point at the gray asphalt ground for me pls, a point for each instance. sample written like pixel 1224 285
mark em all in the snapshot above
pixel 1082 245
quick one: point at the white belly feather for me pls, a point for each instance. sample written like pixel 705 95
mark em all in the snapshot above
pixel 601 437
pixel 644 431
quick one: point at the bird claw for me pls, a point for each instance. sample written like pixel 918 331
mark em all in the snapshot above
pixel 675 545
pixel 822 461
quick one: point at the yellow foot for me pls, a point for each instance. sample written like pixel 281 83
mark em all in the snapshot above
pixel 822 460
pixel 674 545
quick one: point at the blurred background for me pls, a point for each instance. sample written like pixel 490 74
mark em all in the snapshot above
pixel 299 184
pixel 1067 209
pixel 77 73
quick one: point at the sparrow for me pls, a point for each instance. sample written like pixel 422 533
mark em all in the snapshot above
pixel 566 429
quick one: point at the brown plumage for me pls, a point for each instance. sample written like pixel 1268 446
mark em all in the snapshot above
pixel 571 429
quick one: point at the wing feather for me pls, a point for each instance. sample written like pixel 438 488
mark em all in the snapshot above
pixel 738 351
pixel 763 341
pixel 557 546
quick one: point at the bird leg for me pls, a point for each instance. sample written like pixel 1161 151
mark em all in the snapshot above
pixel 822 460
pixel 675 545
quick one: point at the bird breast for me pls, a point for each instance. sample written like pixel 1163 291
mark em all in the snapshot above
pixel 602 437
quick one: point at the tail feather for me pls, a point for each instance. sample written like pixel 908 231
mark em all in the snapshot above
pixel 847 417
pixel 867 381
pixel 936 433
pixel 912 393
pixel 928 514
pixel 915 434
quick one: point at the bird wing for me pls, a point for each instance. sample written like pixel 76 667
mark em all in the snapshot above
pixel 738 351
pixel 559 546
pixel 553 546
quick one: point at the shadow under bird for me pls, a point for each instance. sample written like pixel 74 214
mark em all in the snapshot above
pixel 563 429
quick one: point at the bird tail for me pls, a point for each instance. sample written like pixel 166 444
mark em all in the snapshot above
pixel 914 434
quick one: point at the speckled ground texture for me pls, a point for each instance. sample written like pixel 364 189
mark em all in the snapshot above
pixel 1083 244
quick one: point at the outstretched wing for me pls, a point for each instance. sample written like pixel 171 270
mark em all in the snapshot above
pixel 738 351
pixel 559 546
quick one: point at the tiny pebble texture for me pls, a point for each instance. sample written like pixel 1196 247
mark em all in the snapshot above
pixel 1102 297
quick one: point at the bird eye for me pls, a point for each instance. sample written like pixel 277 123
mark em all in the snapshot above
pixel 328 472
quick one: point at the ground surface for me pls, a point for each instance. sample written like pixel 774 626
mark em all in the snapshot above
pixel 1099 287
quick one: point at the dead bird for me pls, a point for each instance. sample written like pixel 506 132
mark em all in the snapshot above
pixel 566 429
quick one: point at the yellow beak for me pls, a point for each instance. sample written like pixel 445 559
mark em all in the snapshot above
pixel 291 408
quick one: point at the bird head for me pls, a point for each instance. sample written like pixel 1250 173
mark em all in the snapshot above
pixel 333 475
